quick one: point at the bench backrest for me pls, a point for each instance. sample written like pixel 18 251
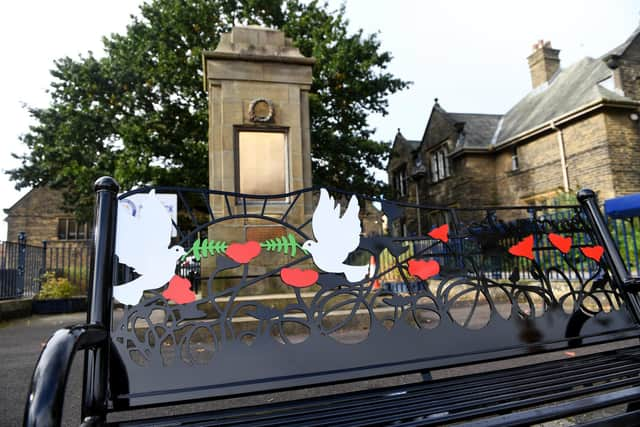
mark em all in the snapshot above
pixel 460 286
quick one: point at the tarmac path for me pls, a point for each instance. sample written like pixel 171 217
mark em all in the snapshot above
pixel 20 344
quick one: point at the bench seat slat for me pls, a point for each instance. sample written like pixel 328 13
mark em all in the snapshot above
pixel 454 399
pixel 436 388
pixel 389 413
pixel 537 415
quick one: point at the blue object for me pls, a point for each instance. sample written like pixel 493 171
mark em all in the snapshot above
pixel 623 207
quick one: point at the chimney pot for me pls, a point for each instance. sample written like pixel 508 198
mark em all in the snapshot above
pixel 544 62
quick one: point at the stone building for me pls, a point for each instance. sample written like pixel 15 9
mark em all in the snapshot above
pixel 39 214
pixel 578 127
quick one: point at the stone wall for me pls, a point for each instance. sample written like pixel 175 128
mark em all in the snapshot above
pixel 624 149
pixel 627 73
pixel 472 176
pixel 588 158
pixel 37 214
pixel 438 129
pixel 539 176
pixel 471 183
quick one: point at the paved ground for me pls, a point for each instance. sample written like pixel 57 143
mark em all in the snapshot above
pixel 20 344
pixel 22 340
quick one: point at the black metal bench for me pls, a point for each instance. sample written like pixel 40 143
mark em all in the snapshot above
pixel 479 286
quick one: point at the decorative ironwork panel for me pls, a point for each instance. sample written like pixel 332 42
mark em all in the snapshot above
pixel 330 290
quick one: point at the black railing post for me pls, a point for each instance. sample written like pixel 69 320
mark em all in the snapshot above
pixel 43 269
pixel 22 261
pixel 621 276
pixel 99 305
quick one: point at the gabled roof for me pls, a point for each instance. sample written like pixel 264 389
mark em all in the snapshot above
pixel 400 139
pixel 443 126
pixel 477 129
pixel 21 201
pixel 575 90
pixel 38 201
pixel 568 90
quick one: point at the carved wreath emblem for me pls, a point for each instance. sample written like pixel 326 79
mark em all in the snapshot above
pixel 261 110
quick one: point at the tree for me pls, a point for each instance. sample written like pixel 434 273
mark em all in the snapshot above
pixel 140 114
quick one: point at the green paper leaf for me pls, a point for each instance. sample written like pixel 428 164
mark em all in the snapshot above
pixel 206 248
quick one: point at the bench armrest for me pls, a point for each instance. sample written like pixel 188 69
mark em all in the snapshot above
pixel 46 392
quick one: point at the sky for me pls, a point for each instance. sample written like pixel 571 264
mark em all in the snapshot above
pixel 469 54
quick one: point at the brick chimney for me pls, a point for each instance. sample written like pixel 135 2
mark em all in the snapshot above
pixel 543 63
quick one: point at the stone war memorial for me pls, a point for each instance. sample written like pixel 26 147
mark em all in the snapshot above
pixel 306 288
pixel 259 140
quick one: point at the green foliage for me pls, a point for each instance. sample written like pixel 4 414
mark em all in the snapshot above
pixel 565 198
pixel 282 244
pixel 140 112
pixel 206 247
pixel 78 276
pixel 52 287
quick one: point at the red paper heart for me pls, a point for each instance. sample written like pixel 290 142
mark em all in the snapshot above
pixel 298 278
pixel 563 244
pixel 593 252
pixel 423 269
pixel 179 290
pixel 523 248
pixel 243 252
pixel 441 233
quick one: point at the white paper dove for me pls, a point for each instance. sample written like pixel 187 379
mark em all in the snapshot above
pixel 336 237
pixel 143 235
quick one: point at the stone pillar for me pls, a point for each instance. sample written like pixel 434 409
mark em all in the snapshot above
pixel 257 81
pixel 258 85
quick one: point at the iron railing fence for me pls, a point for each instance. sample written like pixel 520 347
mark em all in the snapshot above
pixel 22 266
pixel 72 261
pixel 480 238
pixel 20 269
pixel 495 223
pixel 626 233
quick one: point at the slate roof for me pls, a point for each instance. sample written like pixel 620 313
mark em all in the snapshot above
pixel 478 128
pixel 568 90
pixel 413 145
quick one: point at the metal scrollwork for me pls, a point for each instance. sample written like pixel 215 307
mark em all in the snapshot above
pixel 422 289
